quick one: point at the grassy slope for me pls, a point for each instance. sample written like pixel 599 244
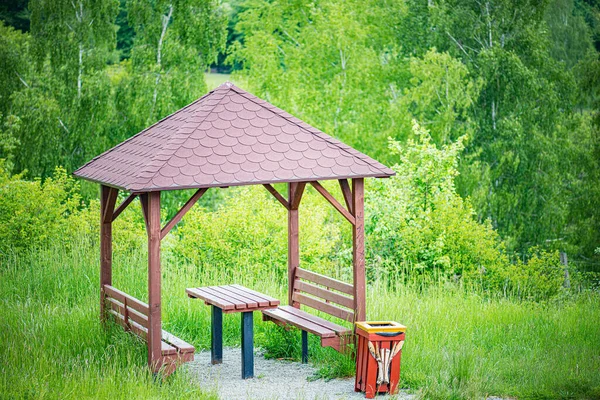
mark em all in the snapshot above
pixel 458 345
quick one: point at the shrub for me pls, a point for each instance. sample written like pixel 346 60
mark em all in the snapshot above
pixel 249 232
pixel 417 223
pixel 34 212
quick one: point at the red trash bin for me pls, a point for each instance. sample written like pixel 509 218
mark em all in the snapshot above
pixel 378 354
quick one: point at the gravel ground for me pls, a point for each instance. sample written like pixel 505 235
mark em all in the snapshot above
pixel 274 379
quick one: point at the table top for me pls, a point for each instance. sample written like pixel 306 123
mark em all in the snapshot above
pixel 233 298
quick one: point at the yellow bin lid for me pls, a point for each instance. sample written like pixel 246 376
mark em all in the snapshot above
pixel 380 326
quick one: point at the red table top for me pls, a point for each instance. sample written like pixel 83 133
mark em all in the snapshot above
pixel 233 298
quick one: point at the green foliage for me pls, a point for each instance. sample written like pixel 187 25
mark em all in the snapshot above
pixel 504 73
pixel 33 213
pixel 418 224
pixel 248 232
pixel 540 278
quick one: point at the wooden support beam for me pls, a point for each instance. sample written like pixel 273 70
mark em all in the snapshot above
pixel 295 200
pixel 154 316
pixel 106 194
pixel 144 203
pixel 123 205
pixel 293 243
pixel 186 207
pixel 358 248
pixel 277 195
pixel 109 204
pixel 345 187
pixel 333 201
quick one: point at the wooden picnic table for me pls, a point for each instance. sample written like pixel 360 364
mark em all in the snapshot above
pixel 233 299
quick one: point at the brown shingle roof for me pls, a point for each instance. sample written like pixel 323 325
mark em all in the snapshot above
pixel 228 137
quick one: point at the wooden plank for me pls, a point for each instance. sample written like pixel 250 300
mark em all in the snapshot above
pixel 210 298
pixel 131 301
pixel 182 346
pixel 132 314
pixel 272 301
pixel 340 330
pixel 239 305
pixel 154 284
pixel 123 205
pixel 293 244
pixel 277 195
pixel 260 301
pixel 325 294
pixel 332 200
pixel 358 249
pixel 239 298
pixel 142 332
pixel 324 281
pixel 291 319
pixel 322 306
pixel 347 193
pixel 186 207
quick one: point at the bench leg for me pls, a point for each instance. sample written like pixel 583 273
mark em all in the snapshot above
pixel 247 345
pixel 304 347
pixel 216 336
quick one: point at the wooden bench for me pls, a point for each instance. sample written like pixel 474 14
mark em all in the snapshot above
pixel 132 314
pixel 320 293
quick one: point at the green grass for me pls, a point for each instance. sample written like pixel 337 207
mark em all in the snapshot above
pixel 459 345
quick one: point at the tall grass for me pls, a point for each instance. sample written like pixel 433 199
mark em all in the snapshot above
pixel 459 344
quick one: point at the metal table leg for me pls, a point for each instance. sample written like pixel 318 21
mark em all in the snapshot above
pixel 247 345
pixel 216 345
pixel 304 347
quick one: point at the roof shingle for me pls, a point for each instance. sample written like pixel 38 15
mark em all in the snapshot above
pixel 228 137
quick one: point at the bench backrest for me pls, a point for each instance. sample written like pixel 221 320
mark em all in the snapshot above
pixel 130 312
pixel 324 294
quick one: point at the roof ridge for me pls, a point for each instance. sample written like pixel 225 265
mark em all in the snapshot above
pixel 288 117
pixel 142 132
pixel 174 150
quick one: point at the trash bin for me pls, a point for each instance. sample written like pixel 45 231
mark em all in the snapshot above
pixel 378 354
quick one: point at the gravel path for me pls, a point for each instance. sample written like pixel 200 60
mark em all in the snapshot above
pixel 274 379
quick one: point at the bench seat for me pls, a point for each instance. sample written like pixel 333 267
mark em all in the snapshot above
pixel 331 334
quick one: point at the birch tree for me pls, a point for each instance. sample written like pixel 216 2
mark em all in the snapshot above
pixel 75 35
pixel 175 41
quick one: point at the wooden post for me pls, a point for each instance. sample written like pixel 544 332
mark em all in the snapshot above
pixel 358 248
pixel 154 317
pixel 293 244
pixel 108 197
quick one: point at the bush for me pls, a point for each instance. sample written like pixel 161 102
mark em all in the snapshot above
pixel 34 212
pixel 540 278
pixel 249 232
pixel 418 225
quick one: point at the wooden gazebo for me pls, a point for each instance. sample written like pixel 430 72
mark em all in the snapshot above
pixel 226 138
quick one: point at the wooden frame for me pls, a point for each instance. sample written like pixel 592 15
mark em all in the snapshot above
pixel 133 318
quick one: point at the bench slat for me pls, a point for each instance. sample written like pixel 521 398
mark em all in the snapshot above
pixel 340 330
pixel 131 301
pixel 301 323
pixel 322 306
pixel 272 301
pixel 325 281
pixel 324 294
pixel 182 347
pixel 210 298
pixel 132 313
pixel 261 302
